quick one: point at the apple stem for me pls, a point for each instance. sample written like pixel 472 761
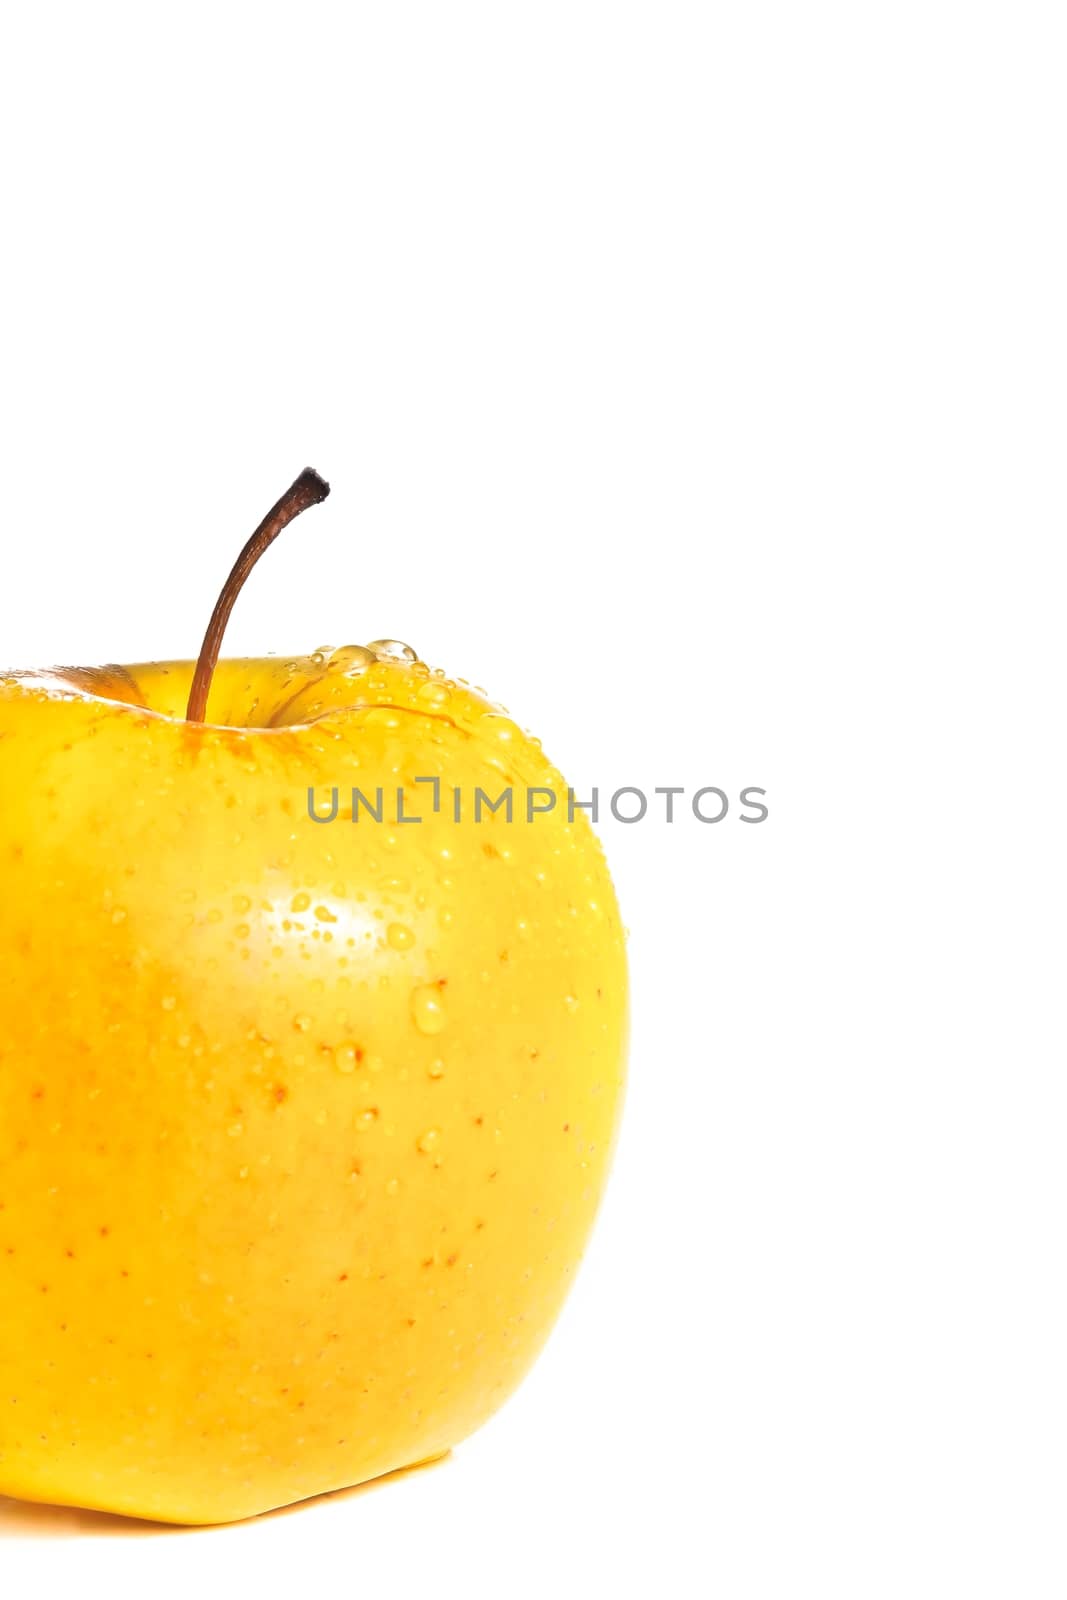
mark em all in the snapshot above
pixel 307 490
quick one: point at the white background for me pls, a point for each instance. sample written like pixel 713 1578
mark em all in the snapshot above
pixel 692 376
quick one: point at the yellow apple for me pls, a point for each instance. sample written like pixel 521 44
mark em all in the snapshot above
pixel 303 1123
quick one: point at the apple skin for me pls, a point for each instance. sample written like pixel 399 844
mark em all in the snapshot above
pixel 303 1127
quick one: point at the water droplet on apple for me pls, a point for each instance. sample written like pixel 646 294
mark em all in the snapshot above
pixel 392 650
pixel 346 1057
pixel 500 728
pixel 571 1002
pixel 368 1118
pixel 300 902
pixel 318 657
pixel 428 1141
pixel 433 694
pixel 350 659
pixel 427 1009
pixel 436 1069
pixel 301 1024
pixel 399 937
pixel 381 717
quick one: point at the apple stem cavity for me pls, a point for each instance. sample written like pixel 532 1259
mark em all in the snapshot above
pixel 307 490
